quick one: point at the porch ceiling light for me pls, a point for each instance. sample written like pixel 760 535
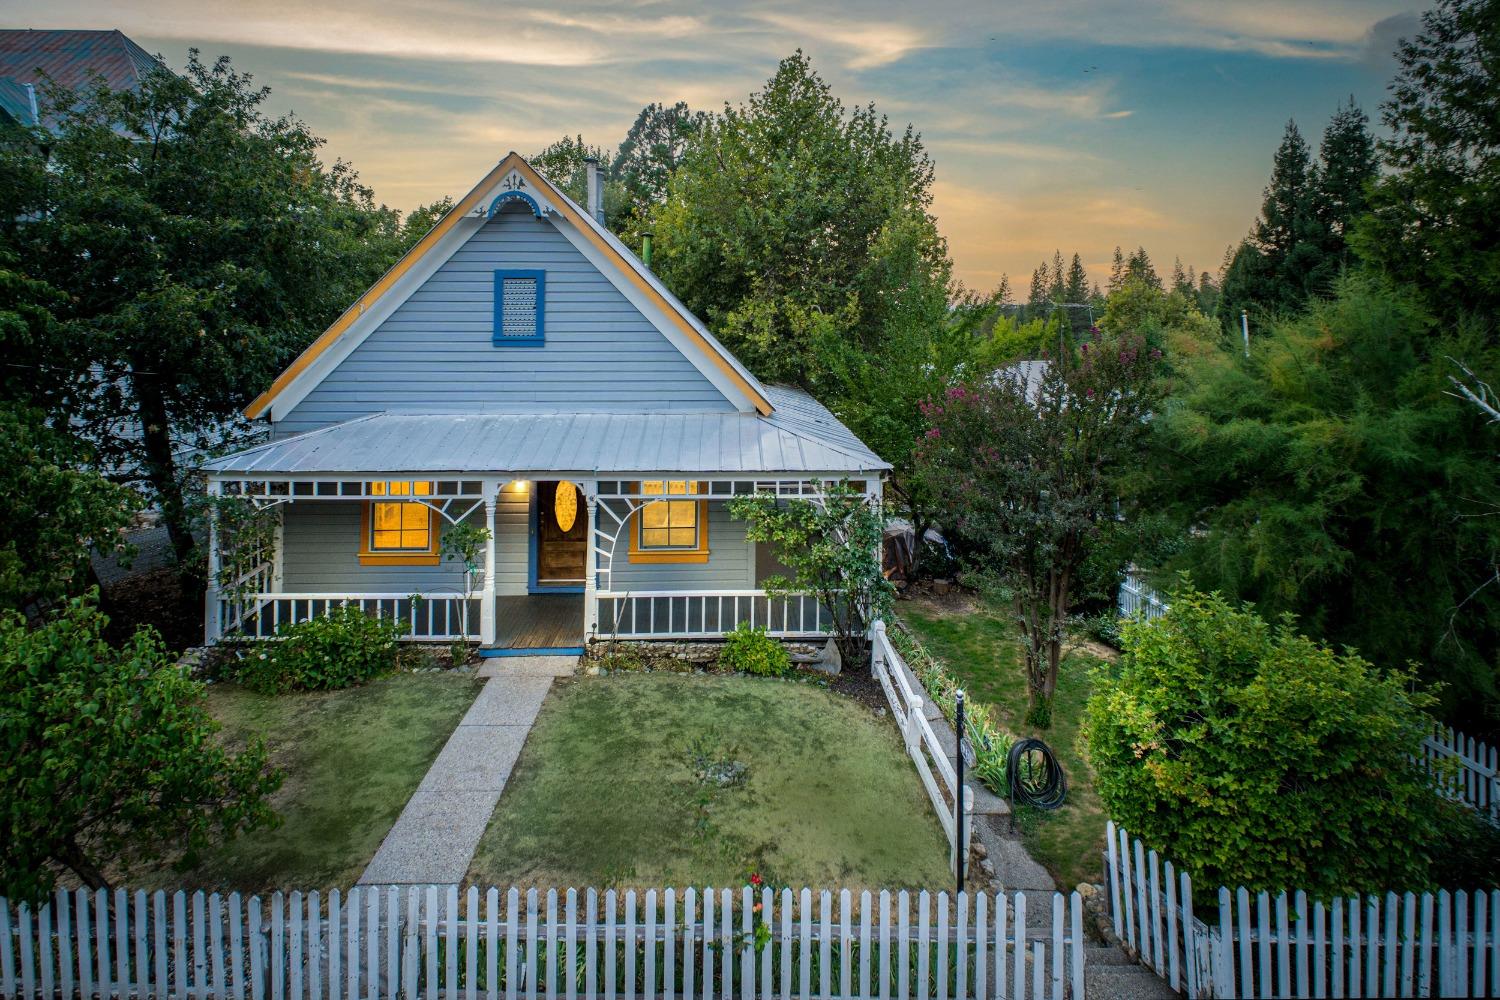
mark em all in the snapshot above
pixel 565 506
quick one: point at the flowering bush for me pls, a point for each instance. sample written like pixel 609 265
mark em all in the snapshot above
pixel 340 649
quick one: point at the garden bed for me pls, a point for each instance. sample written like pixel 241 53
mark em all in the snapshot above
pixel 352 758
pixel 981 652
pixel 665 779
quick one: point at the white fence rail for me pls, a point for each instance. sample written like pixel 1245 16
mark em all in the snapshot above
pixel 430 942
pixel 933 766
pixel 1474 782
pixel 1444 944
pixel 1138 599
pixel 707 614
pixel 428 617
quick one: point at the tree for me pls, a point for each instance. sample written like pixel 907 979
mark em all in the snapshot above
pixel 833 548
pixel 650 154
pixel 200 245
pixel 1032 474
pixel 791 221
pixel 1140 268
pixel 1076 288
pixel 1331 475
pixel 465 544
pixel 1036 298
pixel 110 754
pixel 1253 756
pixel 1434 208
pixel 1346 168
pixel 56 512
pixel 1116 271
pixel 565 163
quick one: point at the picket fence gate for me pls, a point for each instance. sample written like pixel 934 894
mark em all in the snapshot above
pixel 1467 770
pixel 418 942
pixel 1444 944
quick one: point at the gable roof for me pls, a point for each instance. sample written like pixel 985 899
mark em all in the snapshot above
pixel 363 316
pixel 72 58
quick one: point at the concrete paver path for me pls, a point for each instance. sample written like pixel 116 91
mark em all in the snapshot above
pixel 433 840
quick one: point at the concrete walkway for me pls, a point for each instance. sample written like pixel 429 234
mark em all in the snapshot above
pixel 433 840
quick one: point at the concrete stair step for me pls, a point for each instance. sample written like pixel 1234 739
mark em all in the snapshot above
pixel 1126 982
pixel 1106 955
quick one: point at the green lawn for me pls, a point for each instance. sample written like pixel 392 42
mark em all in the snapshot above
pixel 352 758
pixel 979 649
pixel 610 790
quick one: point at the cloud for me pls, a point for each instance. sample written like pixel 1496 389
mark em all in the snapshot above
pixel 868 44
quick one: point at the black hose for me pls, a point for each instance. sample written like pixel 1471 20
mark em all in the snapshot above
pixel 1035 777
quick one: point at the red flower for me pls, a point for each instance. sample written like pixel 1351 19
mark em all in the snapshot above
pixel 756 880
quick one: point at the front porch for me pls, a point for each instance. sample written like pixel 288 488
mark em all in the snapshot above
pixel 313 561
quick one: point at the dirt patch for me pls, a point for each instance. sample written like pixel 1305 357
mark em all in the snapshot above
pixel 159 598
pixel 955 603
pixel 861 687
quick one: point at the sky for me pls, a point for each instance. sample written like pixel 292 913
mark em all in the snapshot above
pixel 1063 125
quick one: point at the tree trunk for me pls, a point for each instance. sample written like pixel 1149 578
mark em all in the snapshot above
pixel 161 467
pixel 88 873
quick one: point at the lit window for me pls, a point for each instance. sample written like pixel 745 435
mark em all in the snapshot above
pixel 670 530
pixel 399 531
pixel 520 298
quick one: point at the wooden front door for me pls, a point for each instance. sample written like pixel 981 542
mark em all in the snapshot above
pixel 560 554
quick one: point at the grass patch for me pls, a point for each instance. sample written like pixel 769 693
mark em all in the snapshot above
pixel 979 649
pixel 654 779
pixel 352 758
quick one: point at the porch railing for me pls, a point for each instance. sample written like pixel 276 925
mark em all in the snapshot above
pixel 708 614
pixel 428 617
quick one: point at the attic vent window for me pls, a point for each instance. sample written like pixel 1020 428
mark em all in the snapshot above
pixel 519 306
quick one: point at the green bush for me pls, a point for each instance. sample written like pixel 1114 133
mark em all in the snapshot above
pixel 340 649
pixel 750 651
pixel 1250 755
pixel 1103 627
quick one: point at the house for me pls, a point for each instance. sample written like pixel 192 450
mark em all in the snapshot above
pixel 30 57
pixel 521 370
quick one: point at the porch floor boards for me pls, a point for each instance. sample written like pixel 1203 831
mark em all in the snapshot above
pixel 539 621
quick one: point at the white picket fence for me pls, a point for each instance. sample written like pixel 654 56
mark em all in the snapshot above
pixel 1138 599
pixel 922 743
pixel 1444 944
pixel 1475 781
pixel 419 942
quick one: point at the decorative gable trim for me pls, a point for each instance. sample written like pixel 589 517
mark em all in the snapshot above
pixel 512 179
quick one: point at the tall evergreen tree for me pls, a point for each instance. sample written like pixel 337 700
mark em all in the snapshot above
pixel 1180 280
pixel 1140 268
pixel 1076 288
pixel 1116 271
pixel 650 154
pixel 1036 298
pixel 1057 285
pixel 1435 208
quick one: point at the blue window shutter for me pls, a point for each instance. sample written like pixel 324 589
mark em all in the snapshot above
pixel 520 308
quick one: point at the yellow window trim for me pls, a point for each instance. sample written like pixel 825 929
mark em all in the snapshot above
pixel 374 557
pixel 647 557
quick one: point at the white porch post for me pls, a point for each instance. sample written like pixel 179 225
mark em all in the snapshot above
pixel 591 563
pixel 213 623
pixel 487 595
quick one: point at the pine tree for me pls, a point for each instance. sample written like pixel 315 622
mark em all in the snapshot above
pixel 1036 299
pixel 1140 268
pixel 1117 271
pixel 1076 288
pixel 1180 280
pixel 1057 289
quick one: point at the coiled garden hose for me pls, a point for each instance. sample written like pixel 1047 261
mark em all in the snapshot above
pixel 1035 777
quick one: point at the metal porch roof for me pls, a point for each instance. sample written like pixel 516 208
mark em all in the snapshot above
pixel 801 436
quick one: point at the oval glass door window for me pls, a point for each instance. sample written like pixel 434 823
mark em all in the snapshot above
pixel 565 506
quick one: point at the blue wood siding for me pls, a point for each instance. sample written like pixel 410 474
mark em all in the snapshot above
pixel 435 354
pixel 731 559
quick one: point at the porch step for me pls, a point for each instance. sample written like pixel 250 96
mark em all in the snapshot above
pixel 495 652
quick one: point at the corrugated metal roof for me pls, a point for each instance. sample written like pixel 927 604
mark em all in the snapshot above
pixel 72 57
pixel 800 437
pixel 17 101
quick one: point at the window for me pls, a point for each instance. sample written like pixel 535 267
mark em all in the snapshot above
pixel 670 530
pixel 399 532
pixel 520 299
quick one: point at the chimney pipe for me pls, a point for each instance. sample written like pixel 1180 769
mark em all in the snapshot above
pixel 595 188
pixel 646 250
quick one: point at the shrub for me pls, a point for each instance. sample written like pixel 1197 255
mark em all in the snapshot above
pixel 110 755
pixel 1103 627
pixel 750 651
pixel 342 648
pixel 1250 755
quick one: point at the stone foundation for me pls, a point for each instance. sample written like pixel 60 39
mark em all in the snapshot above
pixel 685 654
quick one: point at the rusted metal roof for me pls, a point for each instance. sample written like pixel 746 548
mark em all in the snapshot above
pixel 801 436
pixel 72 58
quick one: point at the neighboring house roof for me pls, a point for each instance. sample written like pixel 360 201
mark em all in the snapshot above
pixel 18 101
pixel 800 436
pixel 73 58
pixel 363 317
pixel 1027 375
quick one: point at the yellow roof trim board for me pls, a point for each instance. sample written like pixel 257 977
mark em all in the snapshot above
pixel 473 200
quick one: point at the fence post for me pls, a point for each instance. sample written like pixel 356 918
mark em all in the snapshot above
pixel 213 624
pixel 877 648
